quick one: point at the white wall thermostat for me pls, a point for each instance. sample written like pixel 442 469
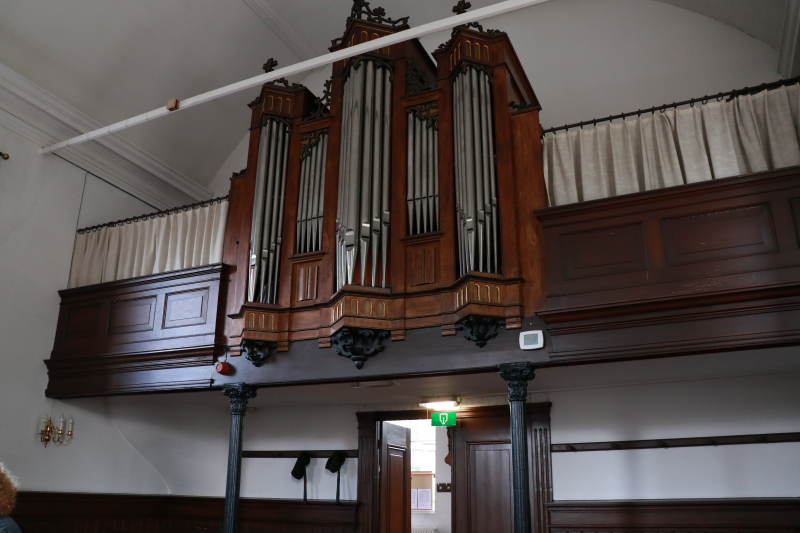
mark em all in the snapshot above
pixel 531 340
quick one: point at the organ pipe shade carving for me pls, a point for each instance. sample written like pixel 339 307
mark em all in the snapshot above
pixel 423 170
pixel 312 185
pixel 476 180
pixel 362 215
pixel 265 237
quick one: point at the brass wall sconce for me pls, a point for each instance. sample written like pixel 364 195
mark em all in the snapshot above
pixel 51 433
pixel 4 156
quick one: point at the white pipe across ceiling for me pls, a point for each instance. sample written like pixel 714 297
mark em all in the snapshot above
pixel 303 66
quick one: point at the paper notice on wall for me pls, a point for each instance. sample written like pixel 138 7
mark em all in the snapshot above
pixel 424 499
pixel 414 498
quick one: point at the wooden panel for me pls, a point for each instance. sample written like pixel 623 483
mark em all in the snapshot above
pixel 128 316
pixel 148 333
pixel 50 512
pixel 763 515
pixel 698 239
pixel 421 265
pixel 307 276
pixel 81 321
pixel 490 497
pixel 723 265
pixel 395 479
pixel 719 235
pixel 481 468
pixel 186 308
pixel 605 251
pixel 795 206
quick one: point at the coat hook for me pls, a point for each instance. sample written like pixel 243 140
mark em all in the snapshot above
pixel 5 156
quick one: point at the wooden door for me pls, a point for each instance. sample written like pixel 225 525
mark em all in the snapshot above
pixel 489 494
pixel 395 478
pixel 481 469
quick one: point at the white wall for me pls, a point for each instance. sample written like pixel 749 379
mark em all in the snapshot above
pixel 39 208
pixel 592 58
pixel 103 203
pixel 187 443
pixel 703 408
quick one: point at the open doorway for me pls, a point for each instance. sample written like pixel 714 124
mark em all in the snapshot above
pixel 430 509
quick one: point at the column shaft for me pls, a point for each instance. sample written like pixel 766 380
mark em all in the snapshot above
pixel 239 394
pixel 517 375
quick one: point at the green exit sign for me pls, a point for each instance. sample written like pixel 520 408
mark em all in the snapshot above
pixel 443 418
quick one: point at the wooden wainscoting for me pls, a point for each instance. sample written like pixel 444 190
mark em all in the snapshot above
pixel 763 515
pixel 136 335
pixel 58 512
pixel 697 268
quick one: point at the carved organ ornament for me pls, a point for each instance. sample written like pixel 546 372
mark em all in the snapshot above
pixel 399 199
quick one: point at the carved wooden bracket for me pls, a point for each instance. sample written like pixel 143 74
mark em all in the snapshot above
pixel 359 343
pixel 258 351
pixel 480 329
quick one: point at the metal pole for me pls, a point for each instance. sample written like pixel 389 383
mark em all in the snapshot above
pixel 518 375
pixel 239 394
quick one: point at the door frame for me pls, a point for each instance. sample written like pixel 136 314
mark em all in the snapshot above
pixel 539 459
pixel 368 492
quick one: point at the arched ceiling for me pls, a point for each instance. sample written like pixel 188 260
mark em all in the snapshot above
pixel 112 60
pixel 760 19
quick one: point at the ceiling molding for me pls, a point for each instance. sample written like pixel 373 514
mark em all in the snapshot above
pixel 277 23
pixel 40 117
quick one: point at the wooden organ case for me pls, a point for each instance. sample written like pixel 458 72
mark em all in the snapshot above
pixel 401 199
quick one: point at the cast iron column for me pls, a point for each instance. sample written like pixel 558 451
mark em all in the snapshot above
pixel 239 394
pixel 518 375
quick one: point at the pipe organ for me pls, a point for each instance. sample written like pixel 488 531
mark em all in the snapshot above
pixel 265 237
pixel 407 191
pixel 312 183
pixel 423 169
pixel 476 188
pixel 362 214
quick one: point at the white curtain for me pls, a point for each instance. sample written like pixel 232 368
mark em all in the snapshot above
pixel 179 240
pixel 750 133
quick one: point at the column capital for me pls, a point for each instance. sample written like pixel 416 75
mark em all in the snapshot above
pixel 239 394
pixel 517 375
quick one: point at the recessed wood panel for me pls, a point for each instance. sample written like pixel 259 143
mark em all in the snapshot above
pixel 490 488
pixel 795 205
pixel 185 308
pixel 602 252
pixel 82 321
pixel 306 276
pixel 719 235
pixel 421 265
pixel 128 316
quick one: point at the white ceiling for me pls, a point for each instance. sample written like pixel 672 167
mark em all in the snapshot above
pixel 112 60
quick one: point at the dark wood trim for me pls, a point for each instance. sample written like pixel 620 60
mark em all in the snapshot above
pixel 762 515
pixel 314 454
pixel 763 438
pixel 51 512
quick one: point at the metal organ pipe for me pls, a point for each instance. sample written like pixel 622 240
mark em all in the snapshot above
pixel 476 196
pixel 363 203
pixel 312 186
pixel 265 236
pixel 423 171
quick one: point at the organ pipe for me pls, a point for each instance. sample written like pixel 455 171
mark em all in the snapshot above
pixel 423 169
pixel 476 181
pixel 267 227
pixel 312 186
pixel 362 218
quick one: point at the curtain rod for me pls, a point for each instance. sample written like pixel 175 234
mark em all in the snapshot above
pixel 303 66
pixel 156 214
pixel 662 108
